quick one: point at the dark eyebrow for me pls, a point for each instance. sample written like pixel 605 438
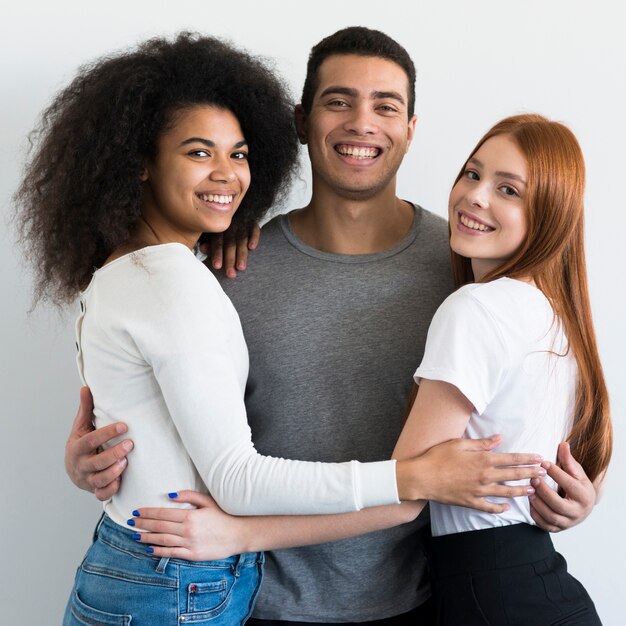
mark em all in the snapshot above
pixel 382 95
pixel 501 174
pixel 344 91
pixel 210 144
pixel 353 93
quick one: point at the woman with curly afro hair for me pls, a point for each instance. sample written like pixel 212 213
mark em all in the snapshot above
pixel 143 153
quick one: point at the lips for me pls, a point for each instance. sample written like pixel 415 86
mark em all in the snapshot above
pixel 222 200
pixel 216 198
pixel 358 152
pixel 474 223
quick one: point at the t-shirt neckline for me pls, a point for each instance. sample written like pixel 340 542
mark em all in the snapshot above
pixel 334 257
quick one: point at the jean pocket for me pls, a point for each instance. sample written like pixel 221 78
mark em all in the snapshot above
pixel 111 561
pixel 206 596
pixel 81 614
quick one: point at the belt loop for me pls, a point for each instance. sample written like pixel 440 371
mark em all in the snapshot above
pixel 97 528
pixel 160 568
pixel 237 566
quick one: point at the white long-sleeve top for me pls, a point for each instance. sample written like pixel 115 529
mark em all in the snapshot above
pixel 161 347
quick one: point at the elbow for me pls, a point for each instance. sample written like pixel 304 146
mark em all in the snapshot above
pixel 232 504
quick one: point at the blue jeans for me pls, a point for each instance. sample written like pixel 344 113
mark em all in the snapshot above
pixel 119 584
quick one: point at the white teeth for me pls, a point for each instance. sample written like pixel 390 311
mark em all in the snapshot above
pixel 470 223
pixel 358 152
pixel 210 197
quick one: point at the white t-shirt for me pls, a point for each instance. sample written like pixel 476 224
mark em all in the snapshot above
pixel 500 344
pixel 161 347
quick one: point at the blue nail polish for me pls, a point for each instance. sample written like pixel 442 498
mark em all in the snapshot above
pixel 136 536
pixel 131 522
pixel 172 495
pixel 136 514
pixel 149 550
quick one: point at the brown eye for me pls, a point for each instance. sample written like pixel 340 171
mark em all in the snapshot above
pixel 507 190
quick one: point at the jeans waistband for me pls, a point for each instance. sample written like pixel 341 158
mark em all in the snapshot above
pixel 112 533
pixel 493 548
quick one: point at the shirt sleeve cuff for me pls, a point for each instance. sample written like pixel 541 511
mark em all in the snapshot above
pixel 375 483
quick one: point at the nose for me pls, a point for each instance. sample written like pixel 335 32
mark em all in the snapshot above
pixel 362 120
pixel 478 195
pixel 223 171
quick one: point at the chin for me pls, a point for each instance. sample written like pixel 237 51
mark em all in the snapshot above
pixel 219 225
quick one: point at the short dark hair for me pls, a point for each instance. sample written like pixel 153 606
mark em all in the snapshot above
pixel 361 41
pixel 81 194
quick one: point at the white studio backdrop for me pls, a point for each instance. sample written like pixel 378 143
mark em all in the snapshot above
pixel 477 62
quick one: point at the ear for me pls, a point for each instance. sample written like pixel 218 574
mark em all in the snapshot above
pixel 411 131
pixel 143 175
pixel 301 117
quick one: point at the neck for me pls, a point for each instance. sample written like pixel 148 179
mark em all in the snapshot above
pixel 482 267
pixel 145 234
pixel 340 225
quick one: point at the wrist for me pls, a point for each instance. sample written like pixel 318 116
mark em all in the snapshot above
pixel 243 539
pixel 409 480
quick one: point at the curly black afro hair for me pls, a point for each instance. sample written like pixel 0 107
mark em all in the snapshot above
pixel 80 197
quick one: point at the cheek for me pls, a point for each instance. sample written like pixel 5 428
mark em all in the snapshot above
pixel 455 196
pixel 520 227
pixel 245 178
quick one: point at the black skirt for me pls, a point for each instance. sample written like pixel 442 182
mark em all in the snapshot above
pixel 506 576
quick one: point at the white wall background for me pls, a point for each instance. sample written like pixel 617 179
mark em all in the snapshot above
pixel 477 62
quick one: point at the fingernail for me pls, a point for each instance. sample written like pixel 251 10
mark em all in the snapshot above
pixel 530 491
pixel 217 265
pixel 136 514
pixel 546 464
pixel 131 522
pixel 541 471
pixel 172 495
pixel 535 482
pixel 538 458
pixel 122 462
pixel 136 536
pixel 241 265
pixel 120 428
pixel 127 445
pixel 149 550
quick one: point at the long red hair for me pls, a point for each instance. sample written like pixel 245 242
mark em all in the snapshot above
pixel 553 255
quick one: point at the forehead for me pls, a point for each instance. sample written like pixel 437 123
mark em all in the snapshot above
pixel 502 152
pixel 365 74
pixel 202 120
pixel 202 116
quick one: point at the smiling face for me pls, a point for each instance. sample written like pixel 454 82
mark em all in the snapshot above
pixel 199 176
pixel 487 213
pixel 358 129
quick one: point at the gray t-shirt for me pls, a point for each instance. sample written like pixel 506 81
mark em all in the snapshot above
pixel 334 340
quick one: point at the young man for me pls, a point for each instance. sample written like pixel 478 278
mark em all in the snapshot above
pixel 335 307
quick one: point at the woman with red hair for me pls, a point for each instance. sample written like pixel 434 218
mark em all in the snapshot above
pixel 512 351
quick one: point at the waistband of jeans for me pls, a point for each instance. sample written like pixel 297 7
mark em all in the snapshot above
pixel 483 550
pixel 111 532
